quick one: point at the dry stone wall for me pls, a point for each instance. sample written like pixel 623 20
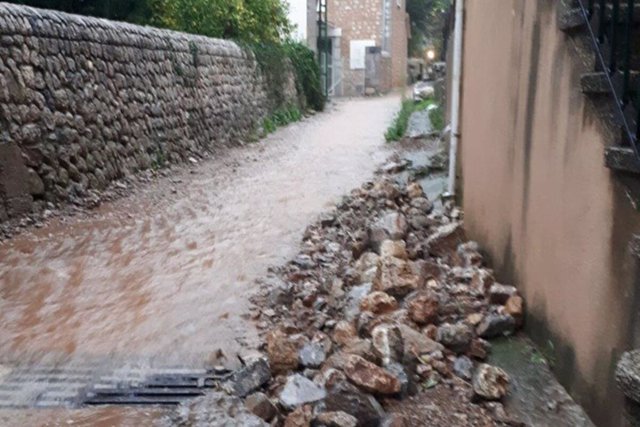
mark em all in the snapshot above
pixel 84 101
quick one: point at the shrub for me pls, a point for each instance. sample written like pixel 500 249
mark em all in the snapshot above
pixel 307 74
pixel 273 58
pixel 399 126
pixel 437 118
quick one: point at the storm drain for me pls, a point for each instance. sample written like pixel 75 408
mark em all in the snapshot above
pixel 77 387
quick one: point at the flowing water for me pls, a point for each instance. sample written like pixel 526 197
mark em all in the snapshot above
pixel 162 277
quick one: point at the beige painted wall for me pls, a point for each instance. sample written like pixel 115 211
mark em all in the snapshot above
pixel 537 196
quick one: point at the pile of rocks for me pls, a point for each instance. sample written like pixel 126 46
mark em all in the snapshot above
pixel 386 299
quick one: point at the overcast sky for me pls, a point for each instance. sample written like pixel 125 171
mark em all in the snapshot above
pixel 298 16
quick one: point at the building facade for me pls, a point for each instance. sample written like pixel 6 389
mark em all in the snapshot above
pixel 538 195
pixel 368 44
pixel 366 50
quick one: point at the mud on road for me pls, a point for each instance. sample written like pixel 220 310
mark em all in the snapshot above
pixel 162 277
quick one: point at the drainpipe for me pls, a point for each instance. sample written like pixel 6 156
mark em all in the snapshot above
pixel 455 97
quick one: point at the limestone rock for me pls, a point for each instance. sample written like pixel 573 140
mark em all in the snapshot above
pixel 344 332
pixel 463 367
pixel 301 417
pixel 416 343
pixel 300 390
pixel 34 183
pixel 490 382
pixel 248 379
pixel 312 355
pixel 399 371
pixel 393 420
pixel 392 225
pixel 217 409
pixel 394 249
pixel 364 348
pixel 456 337
pixel 469 254
pixel 396 277
pixel 496 325
pixel 387 343
pixel 367 266
pixel 423 307
pixel 479 349
pixel 445 240
pixel 354 298
pixel 515 307
pixel 378 303
pixel 349 399
pixel 370 377
pixel 414 190
pixel 628 375
pixel 282 351
pixel 422 204
pixel 386 188
pixel 499 294
pixel 260 405
pixel 336 419
pixel 482 280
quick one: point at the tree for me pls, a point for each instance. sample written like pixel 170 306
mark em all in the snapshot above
pixel 427 22
pixel 246 20
pixel 136 11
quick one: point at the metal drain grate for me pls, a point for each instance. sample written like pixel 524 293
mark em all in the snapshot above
pixel 158 389
pixel 44 387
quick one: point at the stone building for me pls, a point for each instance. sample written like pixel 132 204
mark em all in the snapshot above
pixel 368 44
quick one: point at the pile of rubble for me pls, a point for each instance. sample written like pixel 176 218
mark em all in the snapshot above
pixel 386 301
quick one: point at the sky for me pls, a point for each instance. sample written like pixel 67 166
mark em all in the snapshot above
pixel 298 16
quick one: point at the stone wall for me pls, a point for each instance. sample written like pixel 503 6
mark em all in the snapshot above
pixel 85 101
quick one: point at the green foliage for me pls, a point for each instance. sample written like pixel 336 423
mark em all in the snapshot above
pixel 427 19
pixel 284 116
pixel 274 58
pixel 268 126
pixel 159 158
pixel 437 118
pixel 246 20
pixel 281 117
pixel 260 25
pixel 399 126
pixel 271 58
pixel 307 74
pixel 436 113
pixel 136 11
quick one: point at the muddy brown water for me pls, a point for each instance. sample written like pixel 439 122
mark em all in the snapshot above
pixel 164 275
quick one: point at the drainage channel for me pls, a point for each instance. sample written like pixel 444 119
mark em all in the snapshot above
pixel 45 387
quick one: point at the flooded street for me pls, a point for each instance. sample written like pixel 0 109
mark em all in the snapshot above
pixel 163 276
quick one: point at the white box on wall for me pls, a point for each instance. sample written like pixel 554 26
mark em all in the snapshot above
pixel 357 50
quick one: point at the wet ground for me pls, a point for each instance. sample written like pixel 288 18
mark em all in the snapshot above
pixel 535 396
pixel 161 278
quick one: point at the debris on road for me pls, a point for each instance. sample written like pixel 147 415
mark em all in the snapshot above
pixel 381 310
